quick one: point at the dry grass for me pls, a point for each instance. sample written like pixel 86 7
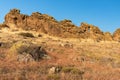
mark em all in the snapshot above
pixel 84 61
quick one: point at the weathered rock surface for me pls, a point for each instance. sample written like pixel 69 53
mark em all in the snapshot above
pixel 27 51
pixel 116 35
pixel 54 70
pixel 3 26
pixel 36 21
pixel 108 36
pixel 48 25
pixel 88 31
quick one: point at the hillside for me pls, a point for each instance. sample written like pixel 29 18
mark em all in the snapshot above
pixel 38 47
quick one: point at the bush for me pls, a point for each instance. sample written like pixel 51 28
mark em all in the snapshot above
pixel 26 34
pixel 67 69
pixel 53 77
pixel 72 70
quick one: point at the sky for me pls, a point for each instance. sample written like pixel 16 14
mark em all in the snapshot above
pixel 102 13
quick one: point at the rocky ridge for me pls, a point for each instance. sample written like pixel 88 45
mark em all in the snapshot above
pixel 44 23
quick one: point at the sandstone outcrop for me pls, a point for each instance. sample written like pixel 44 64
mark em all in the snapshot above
pixel 3 26
pixel 36 21
pixel 116 35
pixel 88 31
pixel 44 23
pixel 108 36
pixel 27 50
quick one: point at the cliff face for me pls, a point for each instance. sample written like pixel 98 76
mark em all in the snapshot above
pixel 36 21
pixel 48 25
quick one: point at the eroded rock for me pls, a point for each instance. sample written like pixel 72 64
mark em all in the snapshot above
pixel 54 70
pixel 108 36
pixel 88 31
pixel 27 51
pixel 44 23
pixel 36 21
pixel 116 35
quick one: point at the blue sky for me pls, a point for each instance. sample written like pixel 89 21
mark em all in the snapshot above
pixel 102 13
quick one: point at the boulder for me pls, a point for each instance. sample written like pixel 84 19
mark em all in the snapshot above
pixel 54 70
pixel 25 58
pixel 27 50
pixel 66 44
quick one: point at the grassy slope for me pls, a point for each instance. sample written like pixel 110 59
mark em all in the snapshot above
pixel 98 61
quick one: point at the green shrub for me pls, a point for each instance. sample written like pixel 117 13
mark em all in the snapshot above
pixel 77 71
pixel 53 77
pixel 67 69
pixel 72 70
pixel 26 34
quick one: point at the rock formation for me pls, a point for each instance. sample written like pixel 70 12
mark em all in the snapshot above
pixel 3 26
pixel 90 31
pixel 46 24
pixel 108 36
pixel 37 22
pixel 27 50
pixel 116 35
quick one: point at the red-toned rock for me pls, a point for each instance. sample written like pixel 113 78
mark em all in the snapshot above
pixel 44 23
pixel 116 35
pixel 37 22
pixel 108 36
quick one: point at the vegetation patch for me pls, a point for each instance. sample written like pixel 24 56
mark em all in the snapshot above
pixel 26 34
pixel 72 70
pixel 53 77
